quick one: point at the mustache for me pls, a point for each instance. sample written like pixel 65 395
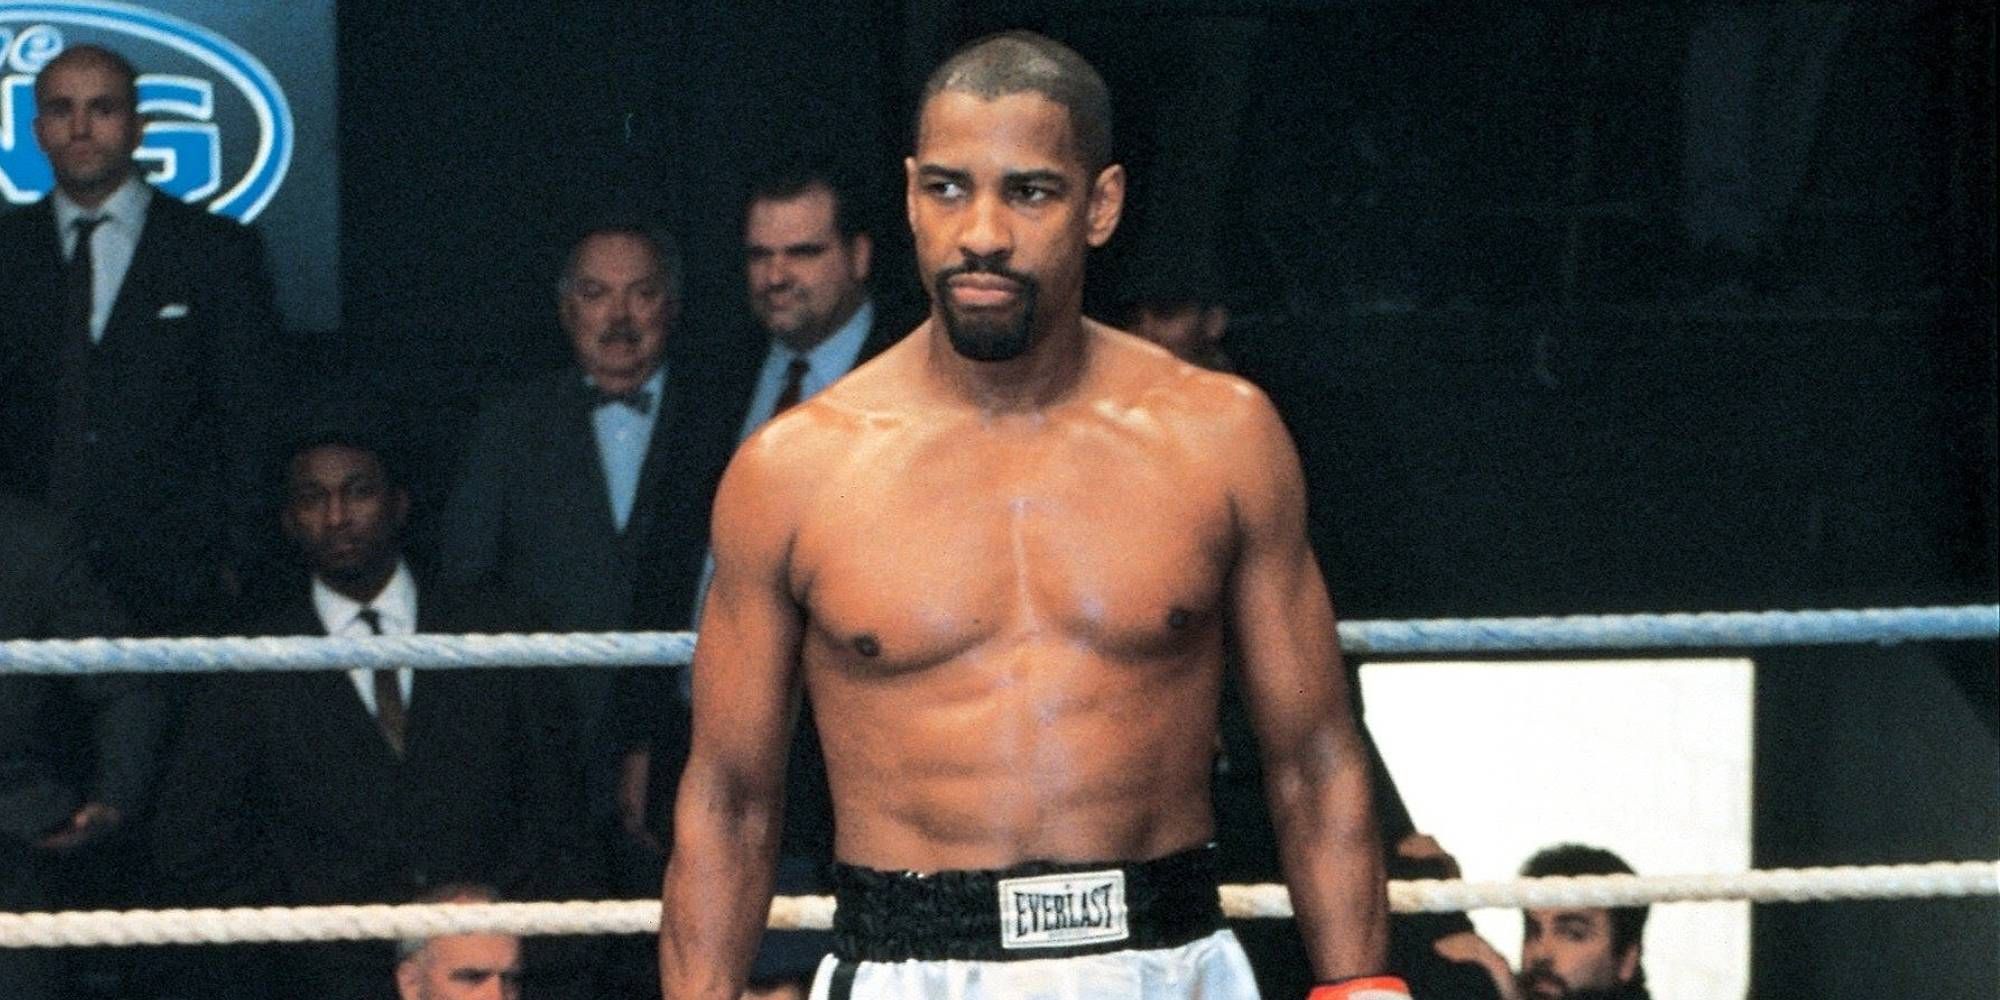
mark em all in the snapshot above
pixel 1531 977
pixel 993 264
pixel 623 333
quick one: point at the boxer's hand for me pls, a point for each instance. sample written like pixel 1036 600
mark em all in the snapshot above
pixel 91 821
pixel 1362 988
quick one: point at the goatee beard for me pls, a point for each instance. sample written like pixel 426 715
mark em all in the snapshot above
pixel 984 339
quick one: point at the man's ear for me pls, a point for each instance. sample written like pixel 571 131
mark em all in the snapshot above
pixel 861 251
pixel 1628 963
pixel 1107 203
pixel 399 500
pixel 409 979
pixel 1214 322
pixel 910 191
pixel 288 522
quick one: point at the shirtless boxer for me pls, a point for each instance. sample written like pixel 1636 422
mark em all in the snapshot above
pixel 1003 558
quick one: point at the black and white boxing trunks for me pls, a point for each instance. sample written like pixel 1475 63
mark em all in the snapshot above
pixel 1038 931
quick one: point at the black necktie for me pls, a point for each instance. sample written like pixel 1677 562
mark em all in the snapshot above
pixel 79 282
pixel 70 467
pixel 640 400
pixel 389 715
pixel 795 383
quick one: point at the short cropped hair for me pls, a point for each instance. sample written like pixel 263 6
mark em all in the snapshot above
pixel 1628 923
pixel 451 892
pixel 102 57
pixel 800 173
pixel 666 252
pixel 1021 62
pixel 364 430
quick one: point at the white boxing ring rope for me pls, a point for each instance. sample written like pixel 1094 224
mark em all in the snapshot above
pixel 1378 638
pixel 356 923
pixel 1705 630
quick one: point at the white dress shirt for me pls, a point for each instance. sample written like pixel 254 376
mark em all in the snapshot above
pixel 112 243
pixel 622 436
pixel 397 607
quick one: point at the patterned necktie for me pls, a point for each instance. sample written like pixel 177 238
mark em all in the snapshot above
pixel 389 714
pixel 795 379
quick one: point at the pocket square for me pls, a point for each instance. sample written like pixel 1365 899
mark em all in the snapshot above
pixel 173 310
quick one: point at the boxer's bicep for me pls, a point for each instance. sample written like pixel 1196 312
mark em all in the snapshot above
pixel 720 871
pixel 1288 653
pixel 1315 767
pixel 746 658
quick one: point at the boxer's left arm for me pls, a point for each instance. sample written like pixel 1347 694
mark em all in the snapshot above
pixel 1315 765
pixel 731 799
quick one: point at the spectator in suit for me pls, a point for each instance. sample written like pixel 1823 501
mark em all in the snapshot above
pixel 577 477
pixel 61 790
pixel 133 336
pixel 807 256
pixel 369 785
pixel 459 966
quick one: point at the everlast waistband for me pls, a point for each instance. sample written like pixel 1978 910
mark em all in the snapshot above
pixel 1036 910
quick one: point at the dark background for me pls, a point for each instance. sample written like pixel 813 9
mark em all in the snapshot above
pixel 1451 238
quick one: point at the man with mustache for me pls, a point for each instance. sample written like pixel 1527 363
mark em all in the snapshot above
pixel 578 479
pixel 1581 953
pixel 1003 560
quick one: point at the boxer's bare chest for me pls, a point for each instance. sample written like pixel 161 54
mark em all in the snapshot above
pixel 1096 535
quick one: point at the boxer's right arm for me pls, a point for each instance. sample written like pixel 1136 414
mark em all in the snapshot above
pixel 731 801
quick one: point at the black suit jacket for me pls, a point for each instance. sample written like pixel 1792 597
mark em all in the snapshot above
pixel 531 510
pixel 531 513
pixel 173 399
pixel 63 740
pixel 284 791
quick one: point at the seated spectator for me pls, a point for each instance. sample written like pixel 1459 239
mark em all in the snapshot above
pixel 1582 953
pixel 352 786
pixel 459 966
pixel 76 754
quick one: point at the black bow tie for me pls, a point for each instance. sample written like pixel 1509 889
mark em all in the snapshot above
pixel 640 400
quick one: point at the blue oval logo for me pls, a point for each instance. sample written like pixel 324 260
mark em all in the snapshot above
pixel 181 149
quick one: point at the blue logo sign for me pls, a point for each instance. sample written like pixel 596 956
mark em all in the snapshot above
pixel 181 150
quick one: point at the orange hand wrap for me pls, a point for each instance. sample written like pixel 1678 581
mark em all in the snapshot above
pixel 1363 988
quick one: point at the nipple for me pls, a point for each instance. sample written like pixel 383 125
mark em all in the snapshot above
pixel 867 646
